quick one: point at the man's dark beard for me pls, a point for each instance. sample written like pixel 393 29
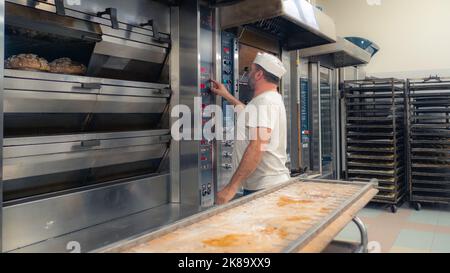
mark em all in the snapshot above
pixel 251 84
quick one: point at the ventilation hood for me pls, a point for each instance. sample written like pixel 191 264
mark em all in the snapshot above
pixel 296 23
pixel 343 53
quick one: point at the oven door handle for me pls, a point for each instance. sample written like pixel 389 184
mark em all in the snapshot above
pixel 59 6
pixel 91 85
pixel 60 9
pixel 90 143
pixel 112 12
pixel 156 35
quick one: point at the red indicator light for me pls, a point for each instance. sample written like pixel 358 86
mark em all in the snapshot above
pixel 203 70
pixel 202 86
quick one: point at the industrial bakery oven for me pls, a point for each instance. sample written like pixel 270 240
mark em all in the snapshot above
pixel 86 137
pixel 322 71
pixel 90 90
pixel 279 28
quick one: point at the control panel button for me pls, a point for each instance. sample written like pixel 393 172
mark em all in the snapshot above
pixel 227 155
pixel 227 166
pixel 229 143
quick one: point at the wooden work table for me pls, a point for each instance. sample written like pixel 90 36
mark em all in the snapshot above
pixel 303 215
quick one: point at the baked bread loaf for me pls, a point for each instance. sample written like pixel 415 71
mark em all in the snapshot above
pixel 67 66
pixel 29 62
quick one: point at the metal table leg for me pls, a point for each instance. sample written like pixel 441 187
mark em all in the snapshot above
pixel 364 238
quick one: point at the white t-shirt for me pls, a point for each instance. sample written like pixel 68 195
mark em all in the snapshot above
pixel 270 113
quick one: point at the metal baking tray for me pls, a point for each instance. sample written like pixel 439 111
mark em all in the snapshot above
pixel 371 149
pixel 374 172
pixel 374 164
pixel 372 134
pixel 428 102
pixel 377 88
pixel 380 109
pixel 432 199
pixel 428 174
pixel 375 96
pixel 372 141
pixel 376 102
pixel 370 156
pixel 375 119
pixel 381 182
pixel 431 182
pixel 385 126
pixel 433 142
pixel 415 188
pixel 431 110
pixel 430 126
pixel 430 166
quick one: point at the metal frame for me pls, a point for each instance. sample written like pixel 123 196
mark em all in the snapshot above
pixel 343 76
pixel 304 104
pixel 294 110
pixel 217 162
pixel 333 114
pixel 316 118
pixel 189 81
pixel 293 247
pixel 189 84
pixel 2 45
pixel 289 99
pixel 175 194
pixel 364 236
pixel 337 126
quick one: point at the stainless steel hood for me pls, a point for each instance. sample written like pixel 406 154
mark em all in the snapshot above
pixel 343 53
pixel 296 23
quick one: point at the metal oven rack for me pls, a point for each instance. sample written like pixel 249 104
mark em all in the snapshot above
pixel 375 136
pixel 429 140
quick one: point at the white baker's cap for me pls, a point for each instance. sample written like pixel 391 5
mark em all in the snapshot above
pixel 271 64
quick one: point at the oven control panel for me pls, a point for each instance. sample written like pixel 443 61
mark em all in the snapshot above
pixel 229 56
pixel 207 32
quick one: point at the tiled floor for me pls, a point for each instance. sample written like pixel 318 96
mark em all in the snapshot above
pixel 410 231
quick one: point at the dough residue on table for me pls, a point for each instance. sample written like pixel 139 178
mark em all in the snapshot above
pixel 285 201
pixel 227 240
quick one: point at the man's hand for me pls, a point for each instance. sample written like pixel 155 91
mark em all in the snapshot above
pixel 226 195
pixel 219 89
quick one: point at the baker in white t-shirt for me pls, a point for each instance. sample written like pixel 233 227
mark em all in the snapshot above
pixel 259 155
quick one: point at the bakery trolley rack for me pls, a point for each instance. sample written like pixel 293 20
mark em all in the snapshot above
pixel 375 121
pixel 429 141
